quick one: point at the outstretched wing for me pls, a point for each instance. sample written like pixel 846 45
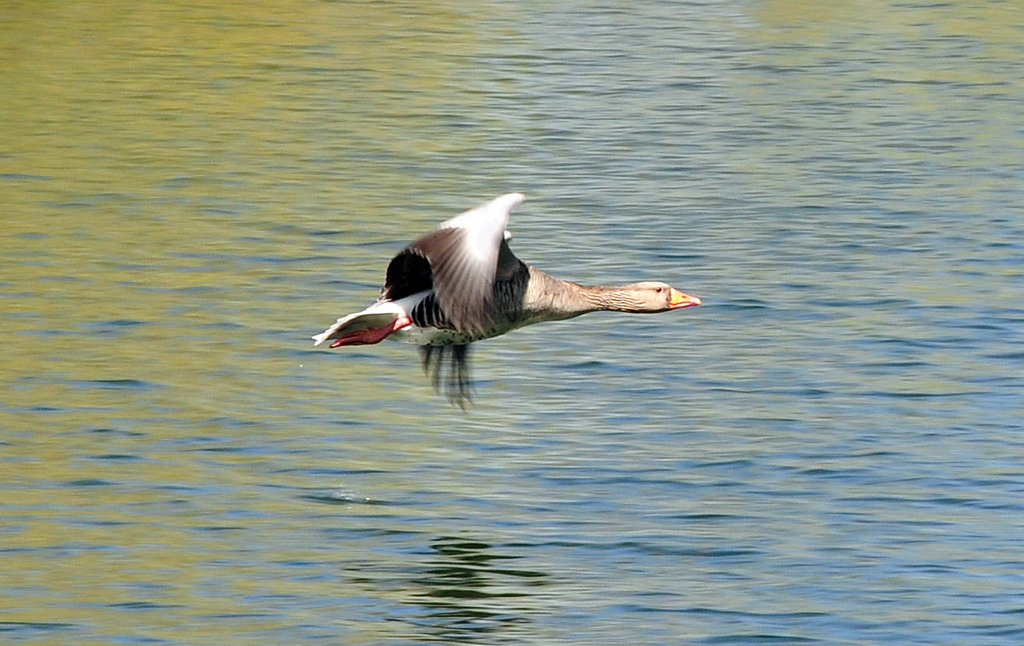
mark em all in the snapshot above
pixel 459 260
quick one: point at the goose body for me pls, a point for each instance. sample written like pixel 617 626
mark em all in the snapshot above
pixel 461 283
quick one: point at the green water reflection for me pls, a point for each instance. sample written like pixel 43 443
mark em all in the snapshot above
pixel 191 190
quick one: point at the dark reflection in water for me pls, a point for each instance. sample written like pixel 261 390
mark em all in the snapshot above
pixel 469 591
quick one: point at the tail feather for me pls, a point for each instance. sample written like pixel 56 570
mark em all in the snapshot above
pixel 381 314
pixel 357 322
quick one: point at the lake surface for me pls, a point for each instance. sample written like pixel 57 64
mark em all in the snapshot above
pixel 829 451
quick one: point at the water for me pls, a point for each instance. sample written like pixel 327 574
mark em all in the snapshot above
pixel 828 451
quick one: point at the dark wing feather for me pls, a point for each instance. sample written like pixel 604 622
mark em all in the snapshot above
pixel 408 273
pixel 448 369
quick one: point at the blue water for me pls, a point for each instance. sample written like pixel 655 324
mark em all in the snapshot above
pixel 828 451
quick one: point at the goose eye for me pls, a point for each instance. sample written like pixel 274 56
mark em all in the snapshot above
pixel 658 290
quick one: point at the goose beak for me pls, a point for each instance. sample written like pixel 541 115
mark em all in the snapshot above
pixel 680 300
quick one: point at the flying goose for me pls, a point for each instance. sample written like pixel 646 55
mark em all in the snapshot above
pixel 461 283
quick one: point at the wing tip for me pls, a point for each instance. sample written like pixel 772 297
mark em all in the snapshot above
pixel 508 201
pixel 497 210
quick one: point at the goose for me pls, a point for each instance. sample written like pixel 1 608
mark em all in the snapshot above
pixel 461 283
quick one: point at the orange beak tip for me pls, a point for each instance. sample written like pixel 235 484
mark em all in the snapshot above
pixel 680 300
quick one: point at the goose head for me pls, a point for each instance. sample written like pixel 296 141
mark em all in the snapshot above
pixel 652 296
